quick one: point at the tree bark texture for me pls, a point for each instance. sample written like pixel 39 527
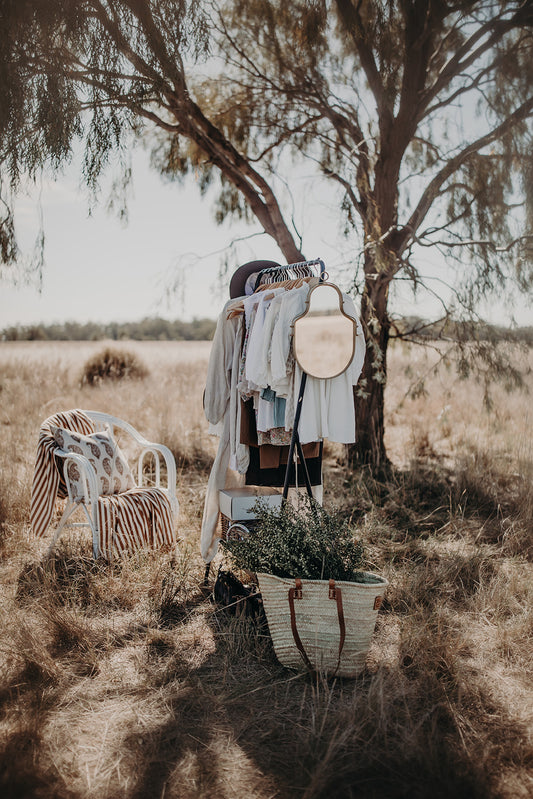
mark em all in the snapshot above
pixel 369 395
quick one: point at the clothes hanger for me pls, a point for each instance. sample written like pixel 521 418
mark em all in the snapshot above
pixel 276 274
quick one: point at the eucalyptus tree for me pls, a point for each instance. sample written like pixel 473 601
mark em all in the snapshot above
pixel 419 111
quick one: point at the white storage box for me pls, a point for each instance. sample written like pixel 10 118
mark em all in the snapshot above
pixel 237 503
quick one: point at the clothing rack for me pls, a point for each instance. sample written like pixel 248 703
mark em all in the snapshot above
pixel 275 274
pixel 271 275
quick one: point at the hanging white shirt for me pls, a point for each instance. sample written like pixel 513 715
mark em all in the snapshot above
pixel 292 305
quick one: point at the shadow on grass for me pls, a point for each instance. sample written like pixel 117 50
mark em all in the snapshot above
pixel 67 579
pixel 236 724
pixel 398 732
pixel 22 773
pixel 241 725
pixel 421 728
pixel 414 502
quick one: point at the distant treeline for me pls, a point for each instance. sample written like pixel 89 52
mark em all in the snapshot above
pixel 156 329
pixel 412 327
pixel 153 329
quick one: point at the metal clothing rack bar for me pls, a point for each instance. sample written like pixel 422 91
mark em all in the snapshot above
pixel 300 269
pixel 295 441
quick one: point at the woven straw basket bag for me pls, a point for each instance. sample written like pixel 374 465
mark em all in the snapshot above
pixel 320 625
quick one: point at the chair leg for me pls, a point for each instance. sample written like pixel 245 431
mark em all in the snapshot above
pixel 92 519
pixel 67 513
pixel 92 523
pixel 95 528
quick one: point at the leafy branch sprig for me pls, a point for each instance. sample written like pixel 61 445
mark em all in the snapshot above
pixel 309 542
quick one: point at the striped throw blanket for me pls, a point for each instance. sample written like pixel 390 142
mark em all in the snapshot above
pixel 134 519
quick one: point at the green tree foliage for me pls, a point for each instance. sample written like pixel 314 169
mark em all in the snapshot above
pixel 104 71
pixel 418 111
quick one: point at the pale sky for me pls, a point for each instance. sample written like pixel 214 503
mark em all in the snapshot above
pixel 100 269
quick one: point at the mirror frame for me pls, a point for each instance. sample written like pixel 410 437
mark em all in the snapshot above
pixel 342 311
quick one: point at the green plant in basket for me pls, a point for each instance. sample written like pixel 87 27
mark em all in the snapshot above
pixel 308 541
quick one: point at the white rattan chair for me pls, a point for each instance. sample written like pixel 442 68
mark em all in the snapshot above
pixel 153 460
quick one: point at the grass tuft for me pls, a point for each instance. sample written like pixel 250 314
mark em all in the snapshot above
pixel 113 364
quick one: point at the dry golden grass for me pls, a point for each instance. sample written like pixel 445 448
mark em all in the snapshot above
pixel 125 681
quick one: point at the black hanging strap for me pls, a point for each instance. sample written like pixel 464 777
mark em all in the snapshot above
pixel 295 442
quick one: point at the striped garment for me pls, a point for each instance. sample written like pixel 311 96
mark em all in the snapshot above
pixel 134 519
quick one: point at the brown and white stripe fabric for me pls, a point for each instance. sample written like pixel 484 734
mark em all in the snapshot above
pixel 48 480
pixel 135 519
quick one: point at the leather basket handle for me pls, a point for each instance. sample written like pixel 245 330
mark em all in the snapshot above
pixel 334 593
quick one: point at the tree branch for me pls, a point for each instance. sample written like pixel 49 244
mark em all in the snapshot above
pixel 354 27
pixel 493 30
pixel 433 188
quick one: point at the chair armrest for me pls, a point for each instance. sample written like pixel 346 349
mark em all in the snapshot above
pixel 158 451
pixel 101 419
pixel 89 480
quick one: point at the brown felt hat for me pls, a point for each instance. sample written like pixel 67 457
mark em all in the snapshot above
pixel 237 286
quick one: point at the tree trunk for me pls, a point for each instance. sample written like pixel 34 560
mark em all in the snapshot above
pixel 369 394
